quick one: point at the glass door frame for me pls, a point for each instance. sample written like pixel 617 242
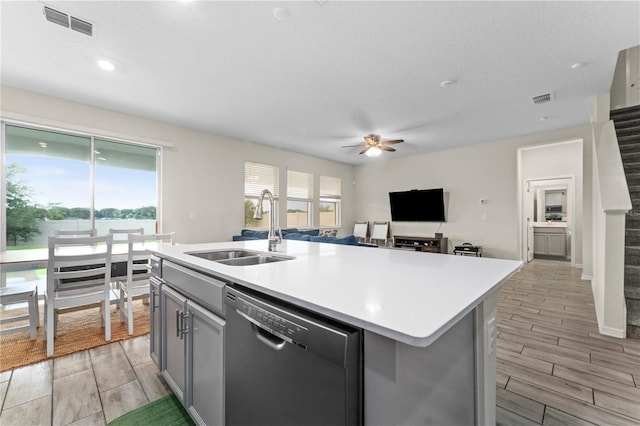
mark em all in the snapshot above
pixel 92 137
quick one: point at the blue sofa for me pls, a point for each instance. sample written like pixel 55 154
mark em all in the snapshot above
pixel 295 234
pixel 250 234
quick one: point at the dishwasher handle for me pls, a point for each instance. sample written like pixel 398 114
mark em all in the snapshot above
pixel 266 336
pixel 269 339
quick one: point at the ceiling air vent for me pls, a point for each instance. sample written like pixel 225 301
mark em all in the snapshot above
pixel 67 21
pixel 541 99
pixel 56 17
pixel 81 26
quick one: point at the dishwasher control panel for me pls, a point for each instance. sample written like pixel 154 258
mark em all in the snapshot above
pixel 282 327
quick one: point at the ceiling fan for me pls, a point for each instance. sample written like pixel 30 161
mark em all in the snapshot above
pixel 373 146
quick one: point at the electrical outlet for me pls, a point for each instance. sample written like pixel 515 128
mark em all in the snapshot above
pixel 484 216
pixel 483 201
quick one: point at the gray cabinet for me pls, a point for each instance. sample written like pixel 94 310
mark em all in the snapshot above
pixel 192 339
pixel 174 306
pixel 549 241
pixel 205 356
pixel 155 322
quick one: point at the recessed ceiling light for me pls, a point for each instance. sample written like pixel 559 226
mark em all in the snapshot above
pixel 281 13
pixel 446 83
pixel 106 65
pixel 577 65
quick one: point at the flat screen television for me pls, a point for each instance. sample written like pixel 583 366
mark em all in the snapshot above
pixel 418 205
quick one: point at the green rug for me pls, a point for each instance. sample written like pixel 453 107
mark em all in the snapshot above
pixel 166 411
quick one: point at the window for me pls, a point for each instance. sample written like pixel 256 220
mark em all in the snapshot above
pixel 299 198
pixel 59 181
pixel 125 185
pixel 258 177
pixel 330 194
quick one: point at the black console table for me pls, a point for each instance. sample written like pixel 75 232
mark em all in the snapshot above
pixel 426 244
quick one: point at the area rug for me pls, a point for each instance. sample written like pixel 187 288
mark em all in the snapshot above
pixel 166 411
pixel 77 331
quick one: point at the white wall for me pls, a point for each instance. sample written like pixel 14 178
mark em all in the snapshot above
pixel 467 174
pixel 559 160
pixel 203 174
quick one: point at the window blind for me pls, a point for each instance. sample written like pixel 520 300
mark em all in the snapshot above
pixel 258 177
pixel 299 185
pixel 330 187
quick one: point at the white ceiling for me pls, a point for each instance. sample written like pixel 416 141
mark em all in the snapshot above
pixel 333 71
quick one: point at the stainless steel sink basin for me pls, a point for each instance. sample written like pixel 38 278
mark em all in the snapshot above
pixel 224 254
pixel 252 260
pixel 239 257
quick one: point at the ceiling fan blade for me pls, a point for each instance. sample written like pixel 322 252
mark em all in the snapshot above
pixel 365 149
pixel 386 148
pixel 369 140
pixel 392 142
pixel 352 146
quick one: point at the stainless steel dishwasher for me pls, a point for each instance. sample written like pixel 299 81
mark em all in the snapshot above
pixel 287 366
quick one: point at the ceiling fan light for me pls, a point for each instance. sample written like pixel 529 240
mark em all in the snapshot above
pixel 374 151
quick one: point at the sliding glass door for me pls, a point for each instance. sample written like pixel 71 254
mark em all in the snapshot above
pixel 59 181
pixel 125 186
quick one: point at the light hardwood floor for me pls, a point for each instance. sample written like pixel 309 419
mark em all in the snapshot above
pixel 553 366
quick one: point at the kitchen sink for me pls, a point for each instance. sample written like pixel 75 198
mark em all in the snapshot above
pixel 224 254
pixel 239 257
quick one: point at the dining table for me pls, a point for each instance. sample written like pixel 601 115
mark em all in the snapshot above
pixel 33 259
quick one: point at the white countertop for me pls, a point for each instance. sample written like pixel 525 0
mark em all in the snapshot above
pixel 411 297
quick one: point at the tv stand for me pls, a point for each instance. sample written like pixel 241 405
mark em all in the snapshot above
pixel 426 244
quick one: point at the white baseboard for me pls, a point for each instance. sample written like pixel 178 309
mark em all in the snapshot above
pixel 586 277
pixel 613 332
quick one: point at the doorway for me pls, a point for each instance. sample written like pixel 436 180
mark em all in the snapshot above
pixel 549 218
pixel 553 171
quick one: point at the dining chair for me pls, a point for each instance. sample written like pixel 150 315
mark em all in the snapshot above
pixel 380 232
pixel 119 269
pixel 360 230
pixel 79 233
pixel 78 277
pixel 121 235
pixel 138 272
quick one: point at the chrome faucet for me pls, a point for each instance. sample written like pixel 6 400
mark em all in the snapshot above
pixel 274 235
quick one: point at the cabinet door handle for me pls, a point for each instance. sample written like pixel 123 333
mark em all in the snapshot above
pixel 185 323
pixel 156 305
pixel 178 323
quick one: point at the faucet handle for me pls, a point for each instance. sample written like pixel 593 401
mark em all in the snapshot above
pixel 279 235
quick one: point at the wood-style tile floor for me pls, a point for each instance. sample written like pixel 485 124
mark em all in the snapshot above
pixel 91 387
pixel 553 367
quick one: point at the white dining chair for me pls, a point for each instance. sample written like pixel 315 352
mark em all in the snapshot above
pixel 380 232
pixel 121 238
pixel 74 233
pixel 121 235
pixel 78 277
pixel 360 230
pixel 138 272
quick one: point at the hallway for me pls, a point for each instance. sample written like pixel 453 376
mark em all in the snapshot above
pixel 553 367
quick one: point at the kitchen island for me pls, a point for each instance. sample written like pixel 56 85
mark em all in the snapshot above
pixel 428 320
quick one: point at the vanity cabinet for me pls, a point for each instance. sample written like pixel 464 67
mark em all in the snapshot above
pixel 549 241
pixel 192 339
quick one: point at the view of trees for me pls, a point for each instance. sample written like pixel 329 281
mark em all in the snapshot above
pixel 249 211
pixel 23 215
